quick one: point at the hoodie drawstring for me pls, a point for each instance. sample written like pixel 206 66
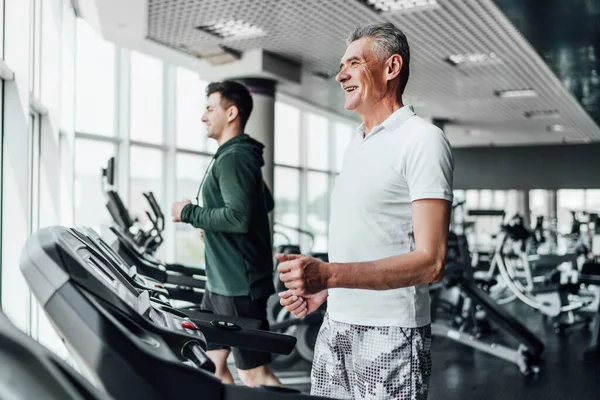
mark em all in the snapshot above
pixel 204 178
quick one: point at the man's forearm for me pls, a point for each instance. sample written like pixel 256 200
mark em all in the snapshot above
pixel 410 269
pixel 216 219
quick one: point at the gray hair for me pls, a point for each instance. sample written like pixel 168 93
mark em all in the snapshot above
pixel 389 40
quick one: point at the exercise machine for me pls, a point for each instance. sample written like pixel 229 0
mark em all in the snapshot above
pixel 30 371
pixel 471 313
pixel 304 329
pixel 158 293
pixel 132 348
pixel 590 274
pixel 548 283
pixel 137 247
pixel 148 240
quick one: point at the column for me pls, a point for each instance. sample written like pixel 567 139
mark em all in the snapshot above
pixel 261 125
pixel 552 213
pixel 551 204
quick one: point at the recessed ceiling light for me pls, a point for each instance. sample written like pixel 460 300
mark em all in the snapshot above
pixel 215 54
pixel 539 114
pixel 471 58
pixel 555 128
pixel 382 6
pixel 517 93
pixel 229 29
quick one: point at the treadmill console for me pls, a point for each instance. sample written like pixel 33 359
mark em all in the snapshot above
pixel 95 263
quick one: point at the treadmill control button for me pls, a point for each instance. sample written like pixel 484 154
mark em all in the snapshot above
pixel 189 325
pixel 225 325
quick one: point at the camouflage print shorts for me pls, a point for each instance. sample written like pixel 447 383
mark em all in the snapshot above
pixel 371 362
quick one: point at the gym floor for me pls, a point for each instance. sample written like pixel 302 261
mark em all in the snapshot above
pixel 460 372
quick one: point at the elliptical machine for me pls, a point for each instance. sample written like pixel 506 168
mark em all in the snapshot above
pixel 555 292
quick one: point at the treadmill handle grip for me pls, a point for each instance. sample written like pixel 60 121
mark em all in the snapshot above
pixel 193 352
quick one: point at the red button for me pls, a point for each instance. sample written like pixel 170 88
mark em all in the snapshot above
pixel 188 325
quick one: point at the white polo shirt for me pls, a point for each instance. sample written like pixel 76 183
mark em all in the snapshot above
pixel 403 159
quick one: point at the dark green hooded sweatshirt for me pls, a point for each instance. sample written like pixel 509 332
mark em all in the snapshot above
pixel 234 217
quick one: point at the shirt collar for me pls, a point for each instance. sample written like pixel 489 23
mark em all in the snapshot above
pixel 394 120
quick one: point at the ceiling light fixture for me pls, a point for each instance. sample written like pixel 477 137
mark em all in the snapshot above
pixel 517 93
pixel 382 6
pixel 213 53
pixel 539 114
pixel 555 128
pixel 471 59
pixel 231 29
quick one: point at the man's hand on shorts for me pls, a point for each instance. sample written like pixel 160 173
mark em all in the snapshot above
pixel 302 306
pixel 301 274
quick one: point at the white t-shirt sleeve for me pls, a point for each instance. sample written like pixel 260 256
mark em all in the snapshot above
pixel 429 166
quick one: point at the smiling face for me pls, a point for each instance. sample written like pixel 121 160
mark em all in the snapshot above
pixel 215 117
pixel 362 76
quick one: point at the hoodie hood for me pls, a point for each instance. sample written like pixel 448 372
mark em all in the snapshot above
pixel 245 143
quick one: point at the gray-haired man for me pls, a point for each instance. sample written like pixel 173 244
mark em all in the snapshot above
pixel 387 237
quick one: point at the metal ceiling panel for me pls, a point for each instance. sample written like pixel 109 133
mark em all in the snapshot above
pixel 313 33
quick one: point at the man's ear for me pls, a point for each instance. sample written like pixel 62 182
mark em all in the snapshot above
pixel 393 66
pixel 232 113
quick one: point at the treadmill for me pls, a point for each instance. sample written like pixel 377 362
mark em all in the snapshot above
pixel 131 347
pixel 137 246
pixel 160 297
pixel 30 371
pixel 183 283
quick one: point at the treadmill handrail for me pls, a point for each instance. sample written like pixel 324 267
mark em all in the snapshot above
pixel 160 218
pixel 117 209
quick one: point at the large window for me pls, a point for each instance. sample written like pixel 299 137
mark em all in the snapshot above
pixel 317 150
pixel 146 98
pixel 481 234
pixel 90 203
pixel 189 248
pixel 538 204
pixel 342 136
pixel 287 134
pixel 1 31
pixel 146 171
pixel 317 214
pixel 287 204
pixel 568 200
pixel 309 151
pixel 95 82
pixel 191 103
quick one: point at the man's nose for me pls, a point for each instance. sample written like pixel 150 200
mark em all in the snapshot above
pixel 341 76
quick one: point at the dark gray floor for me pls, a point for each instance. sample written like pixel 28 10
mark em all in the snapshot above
pixel 460 372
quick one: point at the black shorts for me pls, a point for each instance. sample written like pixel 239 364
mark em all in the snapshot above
pixel 245 307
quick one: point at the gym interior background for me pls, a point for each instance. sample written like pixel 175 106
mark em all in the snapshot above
pixel 514 84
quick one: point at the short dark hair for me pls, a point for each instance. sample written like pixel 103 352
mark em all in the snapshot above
pixel 389 40
pixel 233 94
